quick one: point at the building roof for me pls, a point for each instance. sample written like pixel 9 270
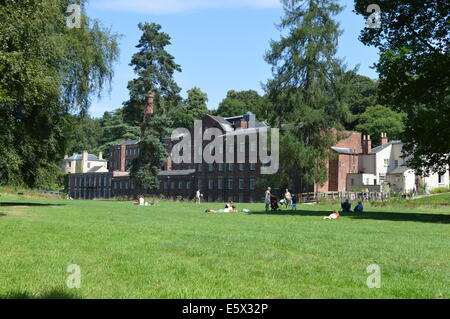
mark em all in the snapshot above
pixel 177 172
pixel 95 169
pixel 399 170
pixel 129 142
pixel 79 157
pixel 343 150
pixel 382 147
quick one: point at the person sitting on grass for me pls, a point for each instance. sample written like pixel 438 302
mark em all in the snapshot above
pixel 346 206
pixel 333 215
pixel 359 208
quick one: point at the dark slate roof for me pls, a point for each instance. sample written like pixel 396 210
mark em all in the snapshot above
pixel 79 157
pixel 177 172
pixel 95 169
pixel 129 142
pixel 343 150
pixel 382 147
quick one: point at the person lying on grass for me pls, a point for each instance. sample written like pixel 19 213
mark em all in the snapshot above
pixel 333 215
pixel 229 208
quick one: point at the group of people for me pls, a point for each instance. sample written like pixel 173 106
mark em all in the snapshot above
pixel 271 201
pixel 347 207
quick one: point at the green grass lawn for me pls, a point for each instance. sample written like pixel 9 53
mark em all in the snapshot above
pixel 177 251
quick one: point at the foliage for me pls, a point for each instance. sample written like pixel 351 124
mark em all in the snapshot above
pixel 155 68
pixel 439 190
pixel 378 118
pixel 115 130
pixel 87 133
pixel 310 86
pixel 414 67
pixel 193 108
pixel 48 71
pixel 145 168
pixel 238 103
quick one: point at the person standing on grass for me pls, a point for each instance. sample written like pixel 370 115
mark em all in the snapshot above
pixel 267 198
pixel 197 196
pixel 294 202
pixel 287 198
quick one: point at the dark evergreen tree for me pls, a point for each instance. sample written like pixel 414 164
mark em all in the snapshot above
pixel 310 86
pixel 154 68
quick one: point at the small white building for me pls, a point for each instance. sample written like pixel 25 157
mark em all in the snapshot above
pixel 385 163
pixel 84 163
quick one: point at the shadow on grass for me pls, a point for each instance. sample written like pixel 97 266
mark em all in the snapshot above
pixel 2 214
pixel 51 294
pixel 13 204
pixel 390 216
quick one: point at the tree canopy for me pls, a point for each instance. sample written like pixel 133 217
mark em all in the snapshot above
pixel 48 72
pixel 414 69
pixel 310 86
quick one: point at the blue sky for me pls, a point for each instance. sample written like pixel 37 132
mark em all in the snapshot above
pixel 218 43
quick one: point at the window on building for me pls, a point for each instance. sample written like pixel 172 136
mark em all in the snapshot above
pixel 172 185
pixel 89 165
pixel 220 167
pixel 253 166
pixel 230 183
pixel 220 183
pixel 241 183
pixel 210 184
pixel 252 183
pixel 352 182
pixel 230 167
pixel 241 166
pixel 210 167
pixel 199 167
pixel 180 185
pixel 386 162
pixel 199 184
pixel 440 179
pixel 188 185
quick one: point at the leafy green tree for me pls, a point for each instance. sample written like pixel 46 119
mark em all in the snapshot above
pixel 86 135
pixel 310 86
pixel 115 130
pixel 414 65
pixel 155 68
pixel 378 119
pixel 48 71
pixel 237 103
pixel 193 108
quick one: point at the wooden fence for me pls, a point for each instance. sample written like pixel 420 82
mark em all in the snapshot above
pixel 318 196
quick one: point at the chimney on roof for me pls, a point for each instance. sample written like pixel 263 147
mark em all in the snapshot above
pixel 366 144
pixel 384 138
pixel 85 156
pixel 148 111
pixel 251 119
pixel 100 155
pixel 66 156
pixel 240 124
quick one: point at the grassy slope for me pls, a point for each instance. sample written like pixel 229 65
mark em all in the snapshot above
pixel 177 251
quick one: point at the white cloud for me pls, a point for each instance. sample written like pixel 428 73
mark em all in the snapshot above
pixel 177 6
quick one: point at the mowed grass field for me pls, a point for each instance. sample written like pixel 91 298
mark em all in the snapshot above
pixel 175 250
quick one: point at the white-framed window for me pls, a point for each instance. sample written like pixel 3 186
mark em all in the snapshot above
pixel 188 185
pixel 230 183
pixel 180 185
pixel 172 185
pixel 210 167
pixel 386 162
pixel 252 183
pixel 199 184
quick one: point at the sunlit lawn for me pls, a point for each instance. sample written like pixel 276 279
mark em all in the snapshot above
pixel 175 250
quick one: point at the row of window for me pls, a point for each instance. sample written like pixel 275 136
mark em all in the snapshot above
pixel 221 167
pixel 92 181
pixel 212 184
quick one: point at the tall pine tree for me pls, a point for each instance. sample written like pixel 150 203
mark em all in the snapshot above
pixel 155 68
pixel 309 87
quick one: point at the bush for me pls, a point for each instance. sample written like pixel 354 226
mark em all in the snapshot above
pixel 439 190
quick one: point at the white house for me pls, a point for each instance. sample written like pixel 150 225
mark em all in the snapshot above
pixel 84 163
pixel 385 163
